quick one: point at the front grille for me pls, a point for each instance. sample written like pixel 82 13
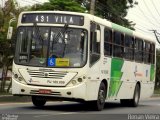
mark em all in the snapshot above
pixel 47 74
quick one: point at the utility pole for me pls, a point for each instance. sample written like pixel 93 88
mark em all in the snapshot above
pixel 92 7
pixel 155 33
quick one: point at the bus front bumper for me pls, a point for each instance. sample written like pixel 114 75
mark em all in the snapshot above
pixel 75 92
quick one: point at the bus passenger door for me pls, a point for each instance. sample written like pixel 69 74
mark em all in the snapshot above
pixel 94 62
pixel 95 47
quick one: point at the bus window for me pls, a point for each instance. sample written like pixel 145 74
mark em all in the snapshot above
pixel 94 45
pixel 139 50
pixel 129 51
pixel 118 47
pixel 23 40
pixel 146 52
pixel 117 38
pixel 107 42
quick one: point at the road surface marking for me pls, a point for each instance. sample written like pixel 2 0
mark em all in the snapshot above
pixel 65 113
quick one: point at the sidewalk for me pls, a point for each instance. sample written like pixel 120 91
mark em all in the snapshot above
pixel 11 98
pixel 156 95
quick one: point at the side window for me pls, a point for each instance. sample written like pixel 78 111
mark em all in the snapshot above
pixel 107 42
pixel 146 52
pixel 139 50
pixel 94 45
pixel 129 50
pixel 118 45
pixel 149 53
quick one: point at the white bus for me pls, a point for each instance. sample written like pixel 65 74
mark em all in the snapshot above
pixel 80 57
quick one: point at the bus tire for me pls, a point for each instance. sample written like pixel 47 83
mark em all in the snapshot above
pixel 100 102
pixel 132 102
pixel 38 101
pixel 135 101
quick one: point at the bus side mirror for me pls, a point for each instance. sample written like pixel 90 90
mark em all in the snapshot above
pixel 10 31
pixel 98 36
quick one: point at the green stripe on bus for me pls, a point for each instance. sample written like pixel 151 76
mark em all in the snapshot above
pixel 152 73
pixel 116 75
pixel 122 29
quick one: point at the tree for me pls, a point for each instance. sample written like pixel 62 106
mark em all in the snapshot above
pixel 112 10
pixel 61 5
pixel 115 11
pixel 7 12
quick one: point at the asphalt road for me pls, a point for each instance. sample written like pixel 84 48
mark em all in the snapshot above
pixel 147 110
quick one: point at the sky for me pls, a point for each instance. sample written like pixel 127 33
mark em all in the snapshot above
pixel 146 15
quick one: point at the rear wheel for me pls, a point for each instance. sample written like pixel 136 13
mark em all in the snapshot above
pixel 38 101
pixel 135 100
pixel 132 102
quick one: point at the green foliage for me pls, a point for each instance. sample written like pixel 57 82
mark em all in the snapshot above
pixel 115 11
pixel 112 10
pixel 61 5
pixel 6 54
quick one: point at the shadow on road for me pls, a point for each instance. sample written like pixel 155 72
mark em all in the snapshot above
pixel 75 107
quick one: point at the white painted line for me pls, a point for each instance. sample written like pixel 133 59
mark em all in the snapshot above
pixel 41 116
pixel 65 113
pixel 68 113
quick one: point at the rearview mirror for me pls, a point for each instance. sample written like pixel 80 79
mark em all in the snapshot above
pixel 98 35
pixel 10 31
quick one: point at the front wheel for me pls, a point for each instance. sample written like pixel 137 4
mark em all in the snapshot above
pixel 100 102
pixel 38 101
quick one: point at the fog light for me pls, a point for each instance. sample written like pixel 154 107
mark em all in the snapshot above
pixel 15 76
pixel 79 79
pixel 22 90
pixel 68 93
pixel 73 82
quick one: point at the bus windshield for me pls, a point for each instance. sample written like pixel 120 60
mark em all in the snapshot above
pixel 51 46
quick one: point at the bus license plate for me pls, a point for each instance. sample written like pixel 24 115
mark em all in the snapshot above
pixel 42 91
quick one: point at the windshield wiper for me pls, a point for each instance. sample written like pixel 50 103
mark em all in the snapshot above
pixel 61 34
pixel 38 35
pixel 62 31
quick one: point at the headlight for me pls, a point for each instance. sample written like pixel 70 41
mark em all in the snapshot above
pixel 80 80
pixel 76 81
pixel 73 82
pixel 19 78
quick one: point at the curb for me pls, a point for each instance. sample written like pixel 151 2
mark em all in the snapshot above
pixel 11 98
pixel 155 95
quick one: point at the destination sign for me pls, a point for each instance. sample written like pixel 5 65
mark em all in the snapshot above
pixel 52 18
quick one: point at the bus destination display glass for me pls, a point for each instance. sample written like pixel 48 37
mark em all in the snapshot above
pixel 53 18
